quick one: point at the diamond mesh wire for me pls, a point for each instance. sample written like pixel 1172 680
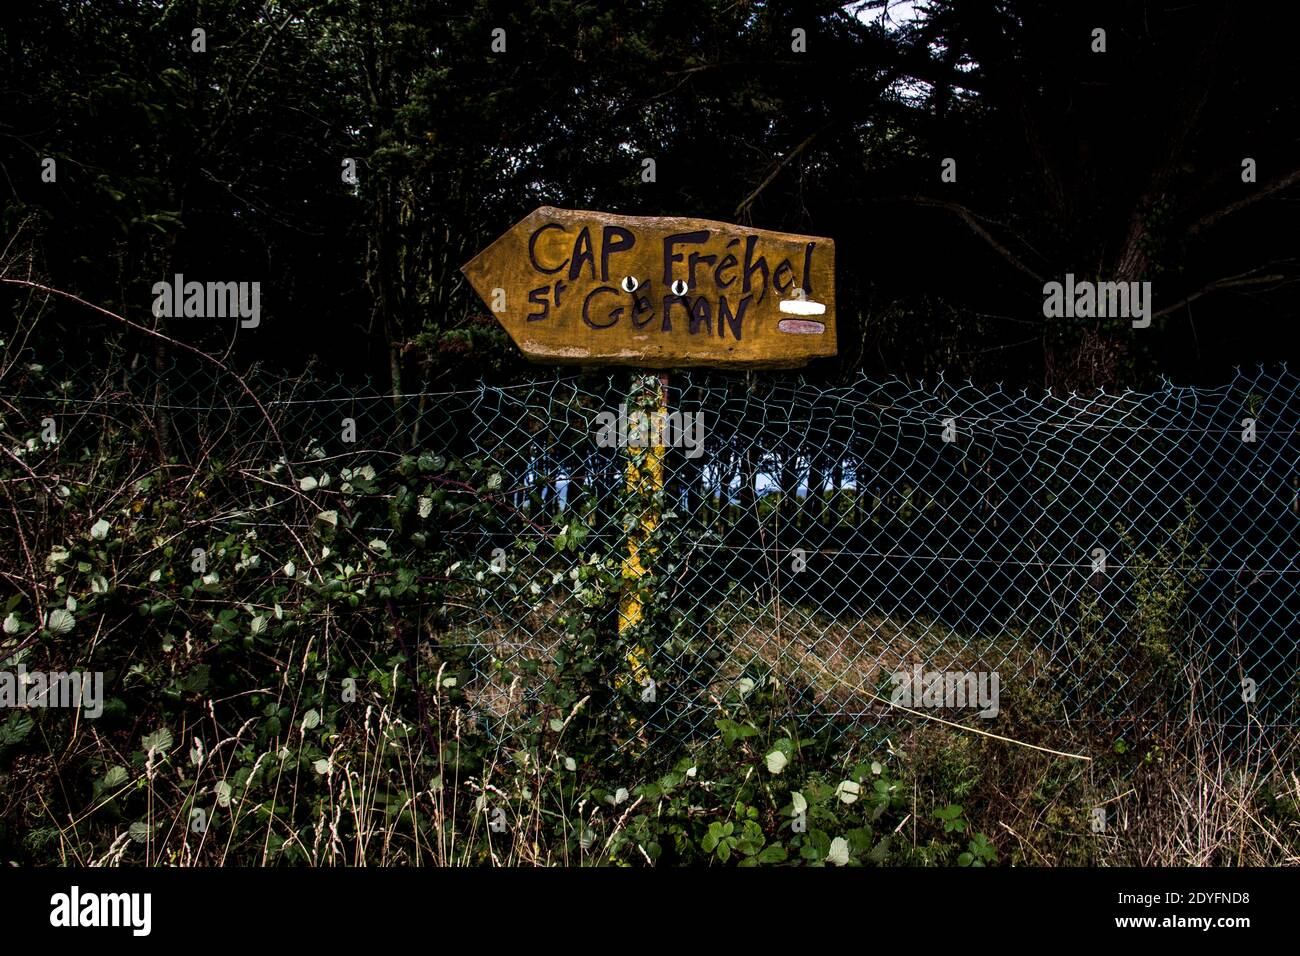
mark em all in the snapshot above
pixel 1108 556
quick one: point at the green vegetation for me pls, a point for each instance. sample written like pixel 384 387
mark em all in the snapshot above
pixel 309 693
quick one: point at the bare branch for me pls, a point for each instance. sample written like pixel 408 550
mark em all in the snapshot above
pixel 1263 192
pixel 972 220
pixel 1228 282
pixel 776 169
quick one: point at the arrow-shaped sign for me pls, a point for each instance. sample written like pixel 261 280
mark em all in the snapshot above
pixel 593 288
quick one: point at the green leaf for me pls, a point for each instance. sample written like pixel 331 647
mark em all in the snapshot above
pixel 13 730
pixel 140 831
pixel 196 681
pixel 775 853
pixel 860 839
pixel 838 852
pixel 59 621
pixel 159 740
pixel 880 850
pixel 732 731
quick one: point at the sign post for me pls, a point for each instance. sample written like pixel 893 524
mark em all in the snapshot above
pixel 645 484
pixel 592 288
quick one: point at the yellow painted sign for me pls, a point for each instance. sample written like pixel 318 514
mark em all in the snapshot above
pixel 658 292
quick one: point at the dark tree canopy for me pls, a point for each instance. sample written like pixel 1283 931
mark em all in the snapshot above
pixel 1122 165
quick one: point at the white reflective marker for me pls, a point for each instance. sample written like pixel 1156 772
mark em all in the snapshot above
pixel 802 307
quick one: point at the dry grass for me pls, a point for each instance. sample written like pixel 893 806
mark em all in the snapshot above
pixel 842 662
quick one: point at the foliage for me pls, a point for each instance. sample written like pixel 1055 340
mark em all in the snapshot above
pixel 1163 583
pixel 227 163
pixel 285 692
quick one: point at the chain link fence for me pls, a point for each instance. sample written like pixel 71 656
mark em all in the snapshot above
pixel 1109 559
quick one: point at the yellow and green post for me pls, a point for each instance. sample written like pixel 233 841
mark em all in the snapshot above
pixel 645 482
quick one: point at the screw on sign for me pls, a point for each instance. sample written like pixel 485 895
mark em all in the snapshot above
pixel 593 288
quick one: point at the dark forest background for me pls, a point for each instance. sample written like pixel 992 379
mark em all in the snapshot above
pixel 226 165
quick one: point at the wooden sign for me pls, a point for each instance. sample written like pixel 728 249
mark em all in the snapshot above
pixel 658 292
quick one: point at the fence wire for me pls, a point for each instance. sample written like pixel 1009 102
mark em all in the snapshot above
pixel 1111 558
